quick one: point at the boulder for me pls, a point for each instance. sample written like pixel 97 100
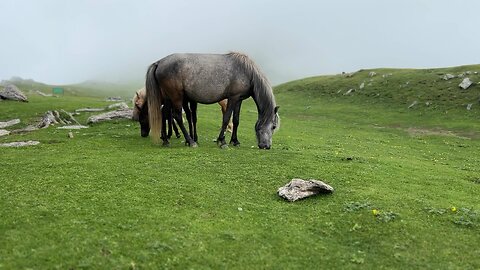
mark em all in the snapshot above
pixel 299 189
pixel 372 74
pixel 4 132
pixel 465 83
pixel 9 123
pixel 448 76
pixel 72 127
pixel 19 144
pixel 362 85
pixel 13 93
pixel 121 105
pixel 118 114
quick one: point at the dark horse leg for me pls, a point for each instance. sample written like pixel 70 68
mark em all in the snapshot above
pixel 190 108
pixel 226 118
pixel 175 129
pixel 236 122
pixel 193 109
pixel 166 119
pixel 177 114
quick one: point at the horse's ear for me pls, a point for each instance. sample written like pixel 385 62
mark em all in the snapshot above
pixel 138 96
pixel 276 109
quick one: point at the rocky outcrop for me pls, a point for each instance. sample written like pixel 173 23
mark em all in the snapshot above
pixel 299 189
pixel 12 92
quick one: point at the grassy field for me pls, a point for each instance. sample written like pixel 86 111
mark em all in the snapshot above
pixel 406 184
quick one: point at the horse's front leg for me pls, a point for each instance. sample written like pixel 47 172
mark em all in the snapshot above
pixel 226 117
pixel 193 109
pixel 236 122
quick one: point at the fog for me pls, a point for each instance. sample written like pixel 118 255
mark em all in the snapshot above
pixel 62 42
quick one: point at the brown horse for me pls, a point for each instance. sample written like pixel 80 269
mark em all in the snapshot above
pixel 210 78
pixel 140 114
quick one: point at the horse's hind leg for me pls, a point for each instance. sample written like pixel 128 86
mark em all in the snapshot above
pixel 236 122
pixel 226 118
pixel 177 114
pixel 163 132
pixel 188 115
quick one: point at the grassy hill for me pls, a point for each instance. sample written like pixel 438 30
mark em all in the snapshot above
pixel 406 184
pixel 397 87
pixel 90 88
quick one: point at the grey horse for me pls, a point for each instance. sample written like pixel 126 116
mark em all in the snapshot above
pixel 206 79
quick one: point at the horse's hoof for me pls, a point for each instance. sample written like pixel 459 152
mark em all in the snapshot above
pixel 178 136
pixel 236 144
pixel 224 146
pixel 194 145
pixel 166 144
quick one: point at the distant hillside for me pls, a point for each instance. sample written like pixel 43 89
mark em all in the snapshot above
pixel 87 88
pixel 415 88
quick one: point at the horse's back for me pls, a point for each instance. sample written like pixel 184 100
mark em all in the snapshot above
pixel 205 78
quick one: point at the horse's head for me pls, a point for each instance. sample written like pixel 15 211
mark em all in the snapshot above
pixel 140 112
pixel 265 130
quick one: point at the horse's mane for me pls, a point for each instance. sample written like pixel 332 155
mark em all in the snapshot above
pixel 262 90
pixel 138 100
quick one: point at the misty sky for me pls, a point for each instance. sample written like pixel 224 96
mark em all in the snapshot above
pixel 60 41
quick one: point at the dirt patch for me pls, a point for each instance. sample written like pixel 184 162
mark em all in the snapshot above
pixel 416 131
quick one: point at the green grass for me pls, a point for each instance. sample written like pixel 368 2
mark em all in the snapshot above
pixel 109 199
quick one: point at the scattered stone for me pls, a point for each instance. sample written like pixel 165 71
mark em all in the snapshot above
pixel 349 91
pixel 90 110
pixel 299 189
pixel 70 135
pixel 428 103
pixel 50 118
pixel 121 105
pixel 13 93
pixel 413 104
pixel 469 106
pixel 72 127
pixel 19 144
pixel 372 74
pixel 348 75
pixel 118 114
pixel 387 75
pixel 9 123
pixel 114 99
pixel 465 83
pixel 43 94
pixel 468 72
pixel 448 76
pixel 461 75
pixel 362 85
pixel 339 91
pixel 4 132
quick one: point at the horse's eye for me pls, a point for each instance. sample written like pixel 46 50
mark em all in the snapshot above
pixel 274 127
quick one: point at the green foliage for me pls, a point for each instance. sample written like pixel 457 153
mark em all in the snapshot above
pixel 108 199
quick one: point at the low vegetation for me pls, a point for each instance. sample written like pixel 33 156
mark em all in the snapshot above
pixel 406 184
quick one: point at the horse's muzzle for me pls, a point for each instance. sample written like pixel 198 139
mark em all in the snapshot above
pixel 264 146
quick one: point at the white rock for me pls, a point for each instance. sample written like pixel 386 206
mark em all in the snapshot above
pixel 19 144
pixel 362 85
pixel 298 189
pixel 72 127
pixel 349 91
pixel 372 73
pixel 4 132
pixel 9 123
pixel 465 83
pixel 448 76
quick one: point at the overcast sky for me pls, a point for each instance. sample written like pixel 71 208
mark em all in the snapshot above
pixel 60 41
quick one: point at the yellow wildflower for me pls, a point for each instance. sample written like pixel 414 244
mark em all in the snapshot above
pixel 375 212
pixel 454 209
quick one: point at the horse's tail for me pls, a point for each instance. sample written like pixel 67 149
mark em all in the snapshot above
pixel 154 99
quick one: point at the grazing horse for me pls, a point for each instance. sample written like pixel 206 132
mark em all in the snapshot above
pixel 206 79
pixel 140 114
